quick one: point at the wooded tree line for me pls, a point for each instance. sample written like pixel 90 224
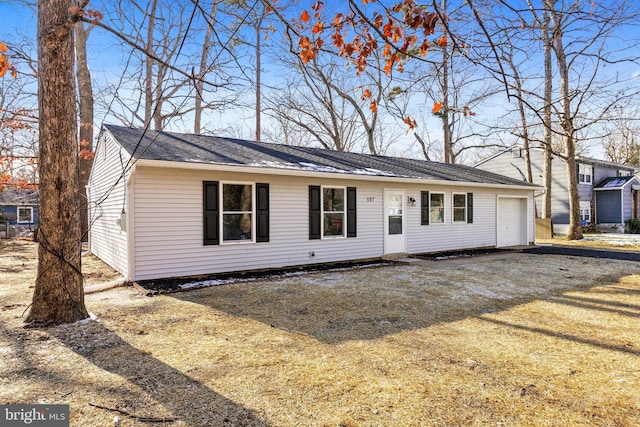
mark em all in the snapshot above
pixel 449 81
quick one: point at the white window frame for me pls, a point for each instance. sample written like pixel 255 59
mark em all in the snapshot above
pixel 454 208
pixel 30 215
pixel 224 241
pixel 585 173
pixel 444 207
pixel 343 212
pixel 624 173
pixel 585 211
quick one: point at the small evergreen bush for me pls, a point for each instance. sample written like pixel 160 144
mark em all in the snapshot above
pixel 632 226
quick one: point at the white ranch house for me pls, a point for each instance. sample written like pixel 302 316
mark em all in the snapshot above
pixel 168 205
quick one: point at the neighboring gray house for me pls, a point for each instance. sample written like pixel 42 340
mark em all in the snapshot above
pixel 167 204
pixel 608 191
pixel 18 212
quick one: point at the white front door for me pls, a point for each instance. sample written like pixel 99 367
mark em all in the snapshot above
pixel 394 240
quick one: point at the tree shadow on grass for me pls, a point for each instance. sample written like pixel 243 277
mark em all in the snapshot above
pixel 185 399
pixel 343 306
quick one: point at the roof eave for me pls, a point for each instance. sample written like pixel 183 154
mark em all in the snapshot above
pixel 317 174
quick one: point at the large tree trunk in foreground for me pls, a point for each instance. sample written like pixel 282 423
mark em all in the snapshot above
pixel 58 296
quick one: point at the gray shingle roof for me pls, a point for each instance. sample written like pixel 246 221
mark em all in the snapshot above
pixel 13 197
pixel 177 147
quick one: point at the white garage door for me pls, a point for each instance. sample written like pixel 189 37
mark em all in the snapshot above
pixel 512 224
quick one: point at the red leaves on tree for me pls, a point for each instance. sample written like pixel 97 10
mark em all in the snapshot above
pixel 466 111
pixel 307 52
pixel 401 28
pixel 410 122
pixel 437 106
pixel 93 16
pixel 5 65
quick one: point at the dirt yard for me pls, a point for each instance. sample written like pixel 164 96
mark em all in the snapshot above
pixel 496 340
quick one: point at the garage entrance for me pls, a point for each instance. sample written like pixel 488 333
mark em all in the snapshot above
pixel 511 222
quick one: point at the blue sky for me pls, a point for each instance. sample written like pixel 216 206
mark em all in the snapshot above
pixel 107 58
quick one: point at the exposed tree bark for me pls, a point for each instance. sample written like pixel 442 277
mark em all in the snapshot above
pixel 148 75
pixel 446 108
pixel 58 295
pixel 547 167
pixel 566 124
pixel 258 28
pixel 85 104
pixel 206 48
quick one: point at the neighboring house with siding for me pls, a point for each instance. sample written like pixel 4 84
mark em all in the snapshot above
pixel 608 191
pixel 166 205
pixel 18 212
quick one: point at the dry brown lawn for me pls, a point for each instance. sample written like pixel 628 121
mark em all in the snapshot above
pixel 498 340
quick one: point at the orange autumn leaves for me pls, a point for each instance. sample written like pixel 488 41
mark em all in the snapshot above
pixel 397 32
pixel 401 28
pixel 5 65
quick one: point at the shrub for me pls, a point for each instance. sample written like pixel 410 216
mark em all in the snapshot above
pixel 632 226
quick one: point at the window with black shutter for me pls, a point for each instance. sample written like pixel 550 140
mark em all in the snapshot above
pixel 231 215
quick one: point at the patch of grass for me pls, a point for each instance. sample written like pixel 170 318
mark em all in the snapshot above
pixel 594 242
pixel 520 340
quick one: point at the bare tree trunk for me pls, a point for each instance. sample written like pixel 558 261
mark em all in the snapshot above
pixel 548 88
pixel 575 227
pixel 258 77
pixel 85 103
pixel 157 110
pixel 58 295
pixel 148 83
pixel 206 47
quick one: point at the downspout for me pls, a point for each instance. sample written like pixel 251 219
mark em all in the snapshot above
pixel 104 286
pixel 130 223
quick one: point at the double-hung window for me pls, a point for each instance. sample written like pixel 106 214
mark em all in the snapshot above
pixel 459 207
pixel 584 174
pixel 585 212
pixel 237 212
pixel 436 208
pixel 333 211
pixel 25 214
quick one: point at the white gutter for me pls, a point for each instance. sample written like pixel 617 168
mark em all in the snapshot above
pixel 294 171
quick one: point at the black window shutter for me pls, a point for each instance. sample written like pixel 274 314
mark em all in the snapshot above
pixel 351 212
pixel 315 219
pixel 262 212
pixel 470 208
pixel 424 207
pixel 211 212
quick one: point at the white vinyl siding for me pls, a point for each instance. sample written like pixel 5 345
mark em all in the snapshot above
pixel 168 233
pixel 168 229
pixel 107 193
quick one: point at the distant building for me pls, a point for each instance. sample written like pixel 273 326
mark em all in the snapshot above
pixel 608 191
pixel 19 212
